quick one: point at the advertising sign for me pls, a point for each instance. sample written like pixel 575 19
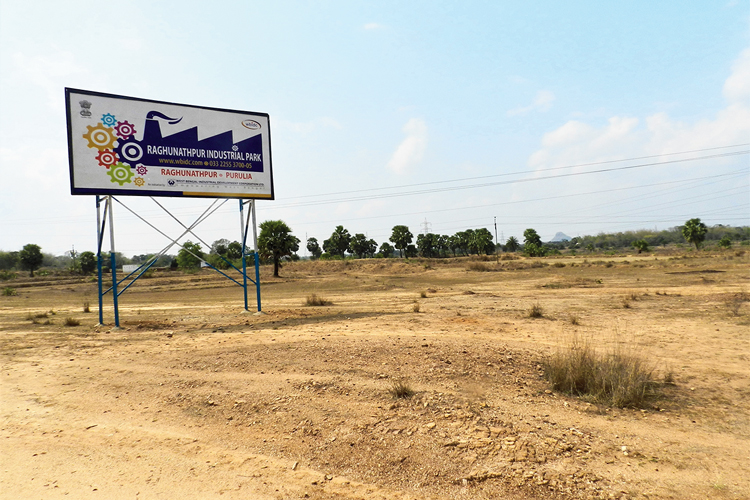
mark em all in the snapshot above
pixel 127 146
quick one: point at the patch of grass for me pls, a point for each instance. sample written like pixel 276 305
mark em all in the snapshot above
pixel 32 317
pixel 416 307
pixel 574 320
pixel 9 291
pixel 86 307
pixel 536 311
pixel 558 264
pixel 478 266
pixel 734 302
pixel 618 378
pixel 400 389
pixel 316 301
pixel 423 294
pixel 71 322
pixel 7 275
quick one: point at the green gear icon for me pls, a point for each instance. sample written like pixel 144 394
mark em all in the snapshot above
pixel 120 173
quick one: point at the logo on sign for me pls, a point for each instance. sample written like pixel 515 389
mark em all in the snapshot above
pixel 85 107
pixel 251 124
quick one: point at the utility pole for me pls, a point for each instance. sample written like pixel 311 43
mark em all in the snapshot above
pixel 495 231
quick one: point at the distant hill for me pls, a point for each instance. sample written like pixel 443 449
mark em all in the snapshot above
pixel 560 237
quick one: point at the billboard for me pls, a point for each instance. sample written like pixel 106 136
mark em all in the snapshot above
pixel 127 146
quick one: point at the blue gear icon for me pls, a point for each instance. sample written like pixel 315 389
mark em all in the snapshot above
pixel 120 173
pixel 109 120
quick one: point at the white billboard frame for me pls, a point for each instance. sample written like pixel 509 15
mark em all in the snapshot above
pixel 121 145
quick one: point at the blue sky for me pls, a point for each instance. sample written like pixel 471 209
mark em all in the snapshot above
pixel 371 100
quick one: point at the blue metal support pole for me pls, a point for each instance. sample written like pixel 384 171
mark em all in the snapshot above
pixel 99 258
pixel 243 234
pixel 257 258
pixel 113 262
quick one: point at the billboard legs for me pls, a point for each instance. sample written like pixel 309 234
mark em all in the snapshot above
pixel 244 227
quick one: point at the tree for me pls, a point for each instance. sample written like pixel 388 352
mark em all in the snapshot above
pixel 276 241
pixel 531 236
pixel 88 262
pixel 454 243
pixel 694 232
pixel 511 244
pixel 361 246
pixel 8 260
pixel 31 257
pixel 428 244
pixel 462 240
pixel 641 245
pixel 338 243
pixel 314 248
pixel 220 247
pixel 190 256
pixel 481 241
pixel 386 250
pixel 725 241
pixel 234 250
pixel 401 237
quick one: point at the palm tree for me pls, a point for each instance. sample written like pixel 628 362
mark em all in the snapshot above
pixel 276 241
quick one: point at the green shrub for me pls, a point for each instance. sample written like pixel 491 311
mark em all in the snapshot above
pixel 9 291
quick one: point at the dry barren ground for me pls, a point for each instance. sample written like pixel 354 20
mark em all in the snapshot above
pixel 193 398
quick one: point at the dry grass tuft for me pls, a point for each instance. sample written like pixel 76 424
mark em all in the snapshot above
pixel 71 322
pixel 415 308
pixel 314 300
pixel 478 266
pixel 574 320
pixel 86 307
pixel 616 378
pixel 734 302
pixel 423 294
pixel 400 389
pixel 536 311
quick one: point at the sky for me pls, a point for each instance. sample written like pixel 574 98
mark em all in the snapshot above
pixel 574 117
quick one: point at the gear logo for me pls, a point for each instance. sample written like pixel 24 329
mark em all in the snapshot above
pixel 131 152
pixel 125 130
pixel 120 173
pixel 109 120
pixel 100 137
pixel 141 169
pixel 107 158
pixel 139 181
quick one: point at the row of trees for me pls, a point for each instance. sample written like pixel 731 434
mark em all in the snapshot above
pixel 276 243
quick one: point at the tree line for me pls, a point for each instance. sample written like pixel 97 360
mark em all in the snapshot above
pixel 276 243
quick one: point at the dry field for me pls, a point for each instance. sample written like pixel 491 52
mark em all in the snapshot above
pixel 195 399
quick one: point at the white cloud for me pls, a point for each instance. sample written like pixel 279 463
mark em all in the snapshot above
pixel 737 86
pixel 542 102
pixel 622 136
pixel 373 26
pixel 411 150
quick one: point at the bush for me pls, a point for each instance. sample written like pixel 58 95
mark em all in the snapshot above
pixel 619 379
pixel 9 291
pixel 316 301
pixel 72 322
pixel 536 311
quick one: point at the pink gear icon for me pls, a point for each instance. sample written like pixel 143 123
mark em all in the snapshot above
pixel 141 169
pixel 107 158
pixel 125 130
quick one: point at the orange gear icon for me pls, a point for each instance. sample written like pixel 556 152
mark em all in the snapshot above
pixel 100 137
